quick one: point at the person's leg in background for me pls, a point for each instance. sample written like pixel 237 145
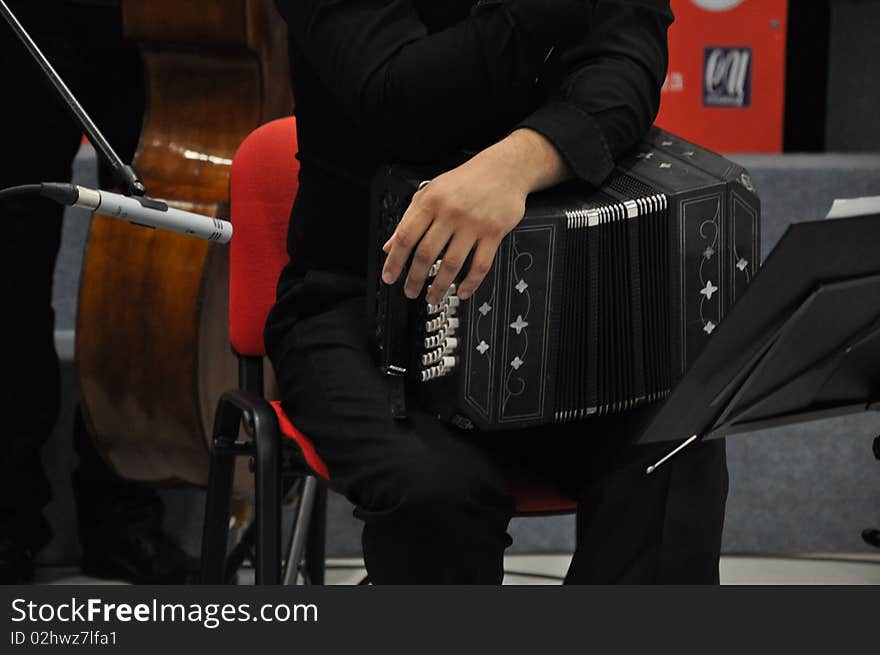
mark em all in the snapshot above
pixel 119 521
pixel 39 143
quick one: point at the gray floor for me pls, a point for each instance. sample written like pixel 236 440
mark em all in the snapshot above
pixel 811 488
pixel 548 569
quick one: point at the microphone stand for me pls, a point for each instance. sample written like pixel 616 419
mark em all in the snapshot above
pixel 126 176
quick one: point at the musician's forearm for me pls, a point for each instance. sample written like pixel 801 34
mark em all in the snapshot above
pixel 529 161
pixel 609 92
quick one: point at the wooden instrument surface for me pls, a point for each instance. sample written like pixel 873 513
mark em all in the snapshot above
pixel 152 347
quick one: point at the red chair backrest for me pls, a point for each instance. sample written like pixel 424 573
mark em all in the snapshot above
pixel 263 183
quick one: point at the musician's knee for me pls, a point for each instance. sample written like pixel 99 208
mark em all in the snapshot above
pixel 423 484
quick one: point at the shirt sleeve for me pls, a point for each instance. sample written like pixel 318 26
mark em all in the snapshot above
pixel 608 91
pixel 416 91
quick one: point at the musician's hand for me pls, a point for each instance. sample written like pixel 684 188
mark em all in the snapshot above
pixel 470 207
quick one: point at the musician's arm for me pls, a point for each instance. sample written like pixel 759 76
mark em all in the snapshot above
pixel 609 92
pixel 607 98
pixel 417 93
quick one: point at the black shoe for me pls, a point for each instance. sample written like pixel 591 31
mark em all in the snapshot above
pixel 151 558
pixel 16 562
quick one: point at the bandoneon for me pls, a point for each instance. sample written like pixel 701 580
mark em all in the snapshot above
pixel 596 302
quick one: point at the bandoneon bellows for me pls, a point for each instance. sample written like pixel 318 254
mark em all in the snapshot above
pixel 596 302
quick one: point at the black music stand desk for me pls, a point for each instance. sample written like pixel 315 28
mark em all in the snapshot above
pixel 802 343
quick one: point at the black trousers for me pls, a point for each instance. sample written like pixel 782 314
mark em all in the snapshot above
pixel 435 501
pixel 39 142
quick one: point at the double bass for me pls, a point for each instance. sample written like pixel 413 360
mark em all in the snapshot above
pixel 152 345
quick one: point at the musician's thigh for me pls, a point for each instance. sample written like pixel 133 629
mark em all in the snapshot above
pixel 334 393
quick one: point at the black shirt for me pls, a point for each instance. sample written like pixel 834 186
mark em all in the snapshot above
pixel 382 81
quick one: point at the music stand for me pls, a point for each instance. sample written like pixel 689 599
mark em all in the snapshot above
pixel 801 343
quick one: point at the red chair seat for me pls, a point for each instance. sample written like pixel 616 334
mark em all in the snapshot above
pixel 532 495
pixel 536 495
pixel 288 430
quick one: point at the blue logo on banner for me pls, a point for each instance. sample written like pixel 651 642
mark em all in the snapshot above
pixel 727 77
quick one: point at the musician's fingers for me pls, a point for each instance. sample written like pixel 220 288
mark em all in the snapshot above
pixel 427 252
pixel 480 265
pixel 409 232
pixel 453 259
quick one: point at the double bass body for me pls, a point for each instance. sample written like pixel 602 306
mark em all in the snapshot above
pixel 152 344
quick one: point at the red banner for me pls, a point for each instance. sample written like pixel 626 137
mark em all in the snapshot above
pixel 726 83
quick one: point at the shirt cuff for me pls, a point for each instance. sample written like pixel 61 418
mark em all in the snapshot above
pixel 577 136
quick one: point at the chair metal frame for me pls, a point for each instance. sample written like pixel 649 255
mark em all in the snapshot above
pixel 246 408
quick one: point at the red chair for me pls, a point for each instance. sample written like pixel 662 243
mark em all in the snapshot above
pixel 263 185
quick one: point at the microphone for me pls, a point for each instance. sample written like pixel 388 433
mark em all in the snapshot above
pixel 140 210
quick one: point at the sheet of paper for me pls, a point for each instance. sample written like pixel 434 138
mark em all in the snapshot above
pixel 844 207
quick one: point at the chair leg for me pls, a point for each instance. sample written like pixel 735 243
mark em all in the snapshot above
pixel 301 525
pixel 316 545
pixel 267 481
pixel 215 534
pixel 243 550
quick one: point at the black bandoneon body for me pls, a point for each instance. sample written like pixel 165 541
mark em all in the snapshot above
pixel 597 302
